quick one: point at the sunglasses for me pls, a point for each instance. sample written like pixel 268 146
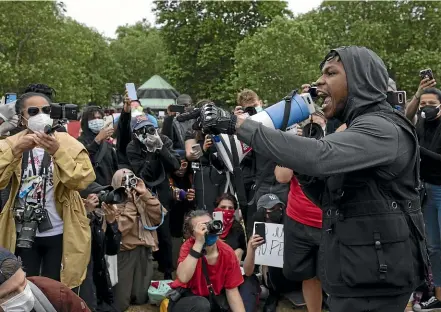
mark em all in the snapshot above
pixel 33 111
pixel 146 130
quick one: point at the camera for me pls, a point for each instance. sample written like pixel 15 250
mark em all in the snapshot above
pixel 28 220
pixel 129 181
pixel 117 196
pixel 215 227
pixel 61 112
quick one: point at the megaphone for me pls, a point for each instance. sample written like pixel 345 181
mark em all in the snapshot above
pixel 301 107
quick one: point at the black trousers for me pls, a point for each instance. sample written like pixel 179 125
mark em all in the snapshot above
pixel 44 258
pixel 369 304
pixel 164 255
pixel 191 304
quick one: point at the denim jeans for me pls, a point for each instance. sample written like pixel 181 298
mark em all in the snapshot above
pixel 432 219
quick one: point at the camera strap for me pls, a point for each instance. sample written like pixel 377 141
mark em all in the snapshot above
pixel 44 173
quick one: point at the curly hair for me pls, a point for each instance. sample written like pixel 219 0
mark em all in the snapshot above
pixel 24 97
pixel 188 227
pixel 246 97
pixel 227 196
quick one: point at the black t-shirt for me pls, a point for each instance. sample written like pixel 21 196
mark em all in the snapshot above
pixel 236 238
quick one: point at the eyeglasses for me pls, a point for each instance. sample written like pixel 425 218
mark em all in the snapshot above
pixel 33 111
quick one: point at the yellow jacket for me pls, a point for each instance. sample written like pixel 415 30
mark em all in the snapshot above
pixel 72 172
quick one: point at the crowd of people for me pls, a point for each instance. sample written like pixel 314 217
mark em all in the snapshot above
pixel 86 218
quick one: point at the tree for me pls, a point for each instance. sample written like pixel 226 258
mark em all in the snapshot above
pixel 279 58
pixel 140 51
pixel 201 37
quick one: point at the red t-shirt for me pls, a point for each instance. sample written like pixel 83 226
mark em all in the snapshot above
pixel 300 208
pixel 225 274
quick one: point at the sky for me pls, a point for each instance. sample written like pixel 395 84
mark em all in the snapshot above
pixel 107 15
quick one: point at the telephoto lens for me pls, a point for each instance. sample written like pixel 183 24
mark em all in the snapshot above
pixel 215 227
pixel 117 196
pixel 27 233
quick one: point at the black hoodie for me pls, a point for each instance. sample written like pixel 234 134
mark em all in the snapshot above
pixel 102 156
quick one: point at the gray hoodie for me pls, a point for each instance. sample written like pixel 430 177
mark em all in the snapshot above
pixel 369 141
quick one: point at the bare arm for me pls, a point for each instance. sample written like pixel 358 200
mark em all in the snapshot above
pixel 235 300
pixel 283 175
pixel 413 105
pixel 186 268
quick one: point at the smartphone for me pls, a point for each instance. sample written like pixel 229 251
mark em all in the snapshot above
pixel 426 73
pixel 397 98
pixel 218 215
pixel 197 149
pixel 131 90
pixel 177 109
pixel 10 98
pixel 108 121
pixel 259 229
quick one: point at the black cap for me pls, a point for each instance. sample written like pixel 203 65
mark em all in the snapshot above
pixel 94 188
pixel 268 201
pixel 5 254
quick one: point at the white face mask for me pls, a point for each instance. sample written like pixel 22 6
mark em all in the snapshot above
pixel 38 122
pixel 23 302
pixel 95 125
pixel 259 109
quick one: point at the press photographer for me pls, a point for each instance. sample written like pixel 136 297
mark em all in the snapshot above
pixel 96 289
pixel 45 173
pixel 153 160
pixel 139 216
pixel 208 274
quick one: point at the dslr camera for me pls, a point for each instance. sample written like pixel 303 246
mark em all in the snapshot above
pixel 215 227
pixel 28 219
pixel 117 196
pixel 129 181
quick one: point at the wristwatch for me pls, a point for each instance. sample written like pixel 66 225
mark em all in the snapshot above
pixel 195 254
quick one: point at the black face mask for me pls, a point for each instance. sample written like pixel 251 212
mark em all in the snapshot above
pixel 429 113
pixel 274 216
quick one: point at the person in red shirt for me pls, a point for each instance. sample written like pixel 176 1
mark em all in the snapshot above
pixel 302 230
pixel 222 266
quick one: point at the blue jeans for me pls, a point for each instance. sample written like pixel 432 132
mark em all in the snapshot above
pixel 432 219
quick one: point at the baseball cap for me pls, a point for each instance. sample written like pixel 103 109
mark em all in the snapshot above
pixel 140 121
pixel 5 255
pixel 268 201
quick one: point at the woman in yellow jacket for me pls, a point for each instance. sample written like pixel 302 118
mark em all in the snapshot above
pixel 55 168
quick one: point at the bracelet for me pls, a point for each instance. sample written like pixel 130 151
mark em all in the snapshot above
pixel 195 254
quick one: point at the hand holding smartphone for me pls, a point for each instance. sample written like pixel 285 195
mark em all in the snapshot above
pixel 131 91
pixel 426 73
pixel 196 150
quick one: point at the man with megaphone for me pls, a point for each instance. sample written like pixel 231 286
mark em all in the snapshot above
pixel 373 252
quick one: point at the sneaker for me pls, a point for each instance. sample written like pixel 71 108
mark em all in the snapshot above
pixel 432 305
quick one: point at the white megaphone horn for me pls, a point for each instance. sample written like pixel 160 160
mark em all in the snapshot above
pixel 302 106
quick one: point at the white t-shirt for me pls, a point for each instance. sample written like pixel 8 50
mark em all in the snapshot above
pixel 57 222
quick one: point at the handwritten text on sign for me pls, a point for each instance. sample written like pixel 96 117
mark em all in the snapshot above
pixel 271 253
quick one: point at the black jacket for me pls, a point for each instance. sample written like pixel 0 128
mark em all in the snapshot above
pixel 373 230
pixel 102 156
pixel 154 168
pixel 123 138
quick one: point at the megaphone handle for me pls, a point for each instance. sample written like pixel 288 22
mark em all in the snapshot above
pixel 286 112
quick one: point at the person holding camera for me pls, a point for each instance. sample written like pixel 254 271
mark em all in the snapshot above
pixel 94 136
pixel 45 173
pixel 96 289
pixel 138 218
pixel 208 274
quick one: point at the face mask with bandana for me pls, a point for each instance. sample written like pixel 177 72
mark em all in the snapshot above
pixel 430 113
pixel 211 239
pixel 95 125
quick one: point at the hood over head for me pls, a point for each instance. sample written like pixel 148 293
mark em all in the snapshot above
pixel 88 112
pixel 367 80
pixel 118 177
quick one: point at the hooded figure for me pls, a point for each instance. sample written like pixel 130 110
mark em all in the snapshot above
pixel 102 155
pixel 373 250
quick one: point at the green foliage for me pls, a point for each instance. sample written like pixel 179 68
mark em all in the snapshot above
pixel 201 37
pixel 38 44
pixel 287 53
